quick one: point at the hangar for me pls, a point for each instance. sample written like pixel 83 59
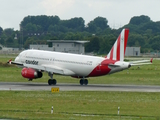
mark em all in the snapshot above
pixel 67 46
pixel 132 51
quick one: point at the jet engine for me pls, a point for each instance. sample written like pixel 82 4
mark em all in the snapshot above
pixel 31 73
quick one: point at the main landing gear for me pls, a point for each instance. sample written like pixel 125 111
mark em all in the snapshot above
pixel 51 81
pixel 83 81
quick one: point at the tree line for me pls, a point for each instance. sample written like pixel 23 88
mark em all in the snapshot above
pixel 144 33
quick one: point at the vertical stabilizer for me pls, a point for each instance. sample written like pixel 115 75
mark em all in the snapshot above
pixel 118 50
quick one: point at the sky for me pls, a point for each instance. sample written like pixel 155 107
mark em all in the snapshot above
pixel 117 12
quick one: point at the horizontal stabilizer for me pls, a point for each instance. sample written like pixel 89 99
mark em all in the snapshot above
pixel 112 65
pixel 141 62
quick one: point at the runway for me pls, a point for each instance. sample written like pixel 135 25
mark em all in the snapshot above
pixel 32 86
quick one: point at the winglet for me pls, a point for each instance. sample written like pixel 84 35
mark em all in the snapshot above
pixel 151 60
pixel 9 61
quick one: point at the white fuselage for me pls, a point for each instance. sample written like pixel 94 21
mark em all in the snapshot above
pixel 80 65
pixel 69 64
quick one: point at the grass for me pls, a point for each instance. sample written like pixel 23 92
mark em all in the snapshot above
pixel 79 105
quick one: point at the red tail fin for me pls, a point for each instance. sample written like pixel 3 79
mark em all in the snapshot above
pixel 118 50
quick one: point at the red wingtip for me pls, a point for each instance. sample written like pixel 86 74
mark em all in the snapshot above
pixel 10 61
pixel 151 60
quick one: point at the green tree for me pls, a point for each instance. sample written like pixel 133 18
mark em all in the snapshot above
pixel 9 31
pixel 104 46
pixel 31 27
pixel 97 24
pixel 1 31
pixel 28 42
pixel 139 20
pixel 93 45
pixel 136 40
pixel 9 42
pixel 43 21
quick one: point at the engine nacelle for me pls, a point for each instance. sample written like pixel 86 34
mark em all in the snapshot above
pixel 31 73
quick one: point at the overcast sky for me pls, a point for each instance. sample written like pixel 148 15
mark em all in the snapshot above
pixel 117 12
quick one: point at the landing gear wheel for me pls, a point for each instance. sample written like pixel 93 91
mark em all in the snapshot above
pixel 49 82
pixel 83 82
pixel 86 82
pixel 52 82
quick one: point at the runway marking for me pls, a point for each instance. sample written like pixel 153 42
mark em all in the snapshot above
pixel 54 89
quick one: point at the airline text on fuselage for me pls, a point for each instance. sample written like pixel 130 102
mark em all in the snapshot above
pixel 31 62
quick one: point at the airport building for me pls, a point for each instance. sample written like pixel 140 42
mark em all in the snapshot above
pixel 40 47
pixel 67 46
pixel 132 51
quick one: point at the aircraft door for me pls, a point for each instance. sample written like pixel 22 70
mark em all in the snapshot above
pixel 51 60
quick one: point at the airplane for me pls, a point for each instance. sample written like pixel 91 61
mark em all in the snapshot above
pixel 34 62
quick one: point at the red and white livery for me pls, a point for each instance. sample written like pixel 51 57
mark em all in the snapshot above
pixel 34 62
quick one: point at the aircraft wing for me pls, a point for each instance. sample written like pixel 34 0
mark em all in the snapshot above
pixel 15 63
pixel 45 67
pixel 141 62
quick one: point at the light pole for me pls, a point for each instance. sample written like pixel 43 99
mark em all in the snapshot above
pixel 21 40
